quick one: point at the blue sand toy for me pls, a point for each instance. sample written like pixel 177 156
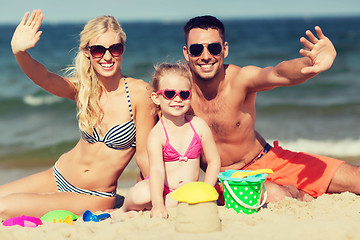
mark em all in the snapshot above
pixel 89 216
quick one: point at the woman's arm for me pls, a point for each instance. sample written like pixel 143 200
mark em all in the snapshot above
pixel 145 119
pixel 25 37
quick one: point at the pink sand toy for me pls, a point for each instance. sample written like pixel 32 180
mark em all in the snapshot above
pixel 24 221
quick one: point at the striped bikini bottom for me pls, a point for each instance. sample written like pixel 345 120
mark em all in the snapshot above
pixel 64 186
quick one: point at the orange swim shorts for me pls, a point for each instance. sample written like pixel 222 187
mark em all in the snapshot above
pixel 308 172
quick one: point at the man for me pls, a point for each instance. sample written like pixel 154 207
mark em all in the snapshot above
pixel 224 96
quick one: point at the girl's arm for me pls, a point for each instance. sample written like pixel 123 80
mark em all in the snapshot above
pixel 211 154
pixel 157 175
pixel 25 37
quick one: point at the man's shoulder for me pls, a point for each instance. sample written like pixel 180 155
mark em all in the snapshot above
pixel 237 74
pixel 237 70
pixel 231 67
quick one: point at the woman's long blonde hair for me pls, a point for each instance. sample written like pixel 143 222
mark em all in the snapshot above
pixel 84 77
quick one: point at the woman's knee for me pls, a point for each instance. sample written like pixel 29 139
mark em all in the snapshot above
pixel 2 209
pixel 8 206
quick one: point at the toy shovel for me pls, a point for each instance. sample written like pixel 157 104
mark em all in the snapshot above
pixel 89 216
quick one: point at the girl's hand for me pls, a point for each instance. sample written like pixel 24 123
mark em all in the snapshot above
pixel 27 33
pixel 159 212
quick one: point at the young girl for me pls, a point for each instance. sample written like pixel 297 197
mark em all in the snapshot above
pixel 174 145
pixel 115 115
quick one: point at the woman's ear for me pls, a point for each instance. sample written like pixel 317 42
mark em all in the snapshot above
pixel 155 98
pixel 86 53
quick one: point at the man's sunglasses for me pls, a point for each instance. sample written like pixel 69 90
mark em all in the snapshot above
pixel 170 94
pixel 197 49
pixel 98 51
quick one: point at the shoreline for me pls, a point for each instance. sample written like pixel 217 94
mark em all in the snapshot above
pixel 19 165
pixel 47 156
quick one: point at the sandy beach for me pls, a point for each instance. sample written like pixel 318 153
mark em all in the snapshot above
pixel 334 216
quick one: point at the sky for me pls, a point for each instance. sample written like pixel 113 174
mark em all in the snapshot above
pixel 60 11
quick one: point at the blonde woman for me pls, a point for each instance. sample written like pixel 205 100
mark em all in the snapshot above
pixel 115 115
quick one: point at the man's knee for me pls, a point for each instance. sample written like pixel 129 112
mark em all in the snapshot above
pixel 276 192
pixel 346 178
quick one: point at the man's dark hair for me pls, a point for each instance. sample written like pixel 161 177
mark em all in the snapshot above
pixel 204 22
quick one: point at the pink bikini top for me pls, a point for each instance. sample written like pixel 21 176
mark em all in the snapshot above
pixel 193 151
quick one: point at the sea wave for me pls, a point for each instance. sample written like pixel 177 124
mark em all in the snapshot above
pixel 41 100
pixel 338 148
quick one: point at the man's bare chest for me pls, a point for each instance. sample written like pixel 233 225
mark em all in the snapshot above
pixel 221 117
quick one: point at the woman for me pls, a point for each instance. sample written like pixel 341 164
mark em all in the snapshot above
pixel 115 114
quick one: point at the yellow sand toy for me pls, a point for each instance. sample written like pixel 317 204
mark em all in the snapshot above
pixel 195 192
pixel 67 220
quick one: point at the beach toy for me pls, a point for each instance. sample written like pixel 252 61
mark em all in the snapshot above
pixel 24 221
pixel 243 174
pixel 89 216
pixel 57 215
pixel 197 211
pixel 67 220
pixel 243 189
pixel 195 192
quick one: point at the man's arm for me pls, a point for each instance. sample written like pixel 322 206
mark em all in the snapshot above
pixel 319 55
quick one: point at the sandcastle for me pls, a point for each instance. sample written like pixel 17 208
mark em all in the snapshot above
pixel 197 211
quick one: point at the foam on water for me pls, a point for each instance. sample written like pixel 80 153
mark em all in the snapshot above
pixel 41 100
pixel 338 148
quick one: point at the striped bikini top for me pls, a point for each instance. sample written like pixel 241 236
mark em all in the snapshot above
pixel 120 136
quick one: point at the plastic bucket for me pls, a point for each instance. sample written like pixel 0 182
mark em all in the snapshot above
pixel 243 194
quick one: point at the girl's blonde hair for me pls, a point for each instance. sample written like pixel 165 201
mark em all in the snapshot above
pixel 179 68
pixel 84 77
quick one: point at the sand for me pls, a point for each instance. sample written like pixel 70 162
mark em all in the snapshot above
pixel 334 216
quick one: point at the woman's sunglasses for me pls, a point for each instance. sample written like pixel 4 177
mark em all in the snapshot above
pixel 98 51
pixel 197 49
pixel 170 94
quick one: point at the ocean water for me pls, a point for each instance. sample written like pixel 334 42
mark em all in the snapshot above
pixel 320 116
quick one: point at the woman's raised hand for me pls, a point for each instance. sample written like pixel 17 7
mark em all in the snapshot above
pixel 27 33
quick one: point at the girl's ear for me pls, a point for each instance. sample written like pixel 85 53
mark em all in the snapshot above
pixel 155 98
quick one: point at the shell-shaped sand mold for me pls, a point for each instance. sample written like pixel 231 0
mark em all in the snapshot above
pixel 195 192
